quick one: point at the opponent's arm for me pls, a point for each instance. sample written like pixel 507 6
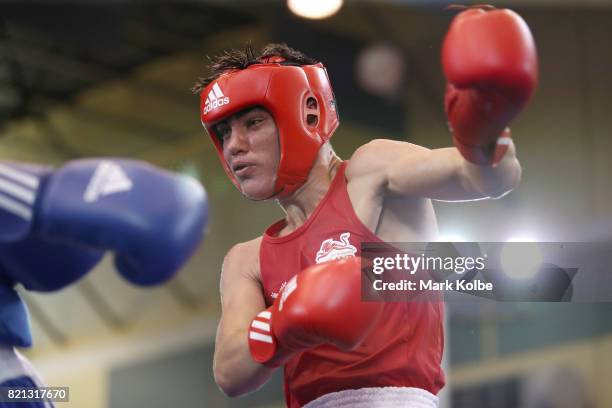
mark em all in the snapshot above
pixel 241 298
pixel 45 265
pixel 152 219
pixel 35 262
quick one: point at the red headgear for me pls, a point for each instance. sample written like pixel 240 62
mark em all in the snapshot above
pixel 283 91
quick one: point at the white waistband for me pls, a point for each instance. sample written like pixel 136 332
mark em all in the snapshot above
pixel 377 397
pixel 14 365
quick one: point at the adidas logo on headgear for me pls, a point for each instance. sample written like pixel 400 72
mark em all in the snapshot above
pixel 215 99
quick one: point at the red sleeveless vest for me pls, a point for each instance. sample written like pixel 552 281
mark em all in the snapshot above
pixel 403 350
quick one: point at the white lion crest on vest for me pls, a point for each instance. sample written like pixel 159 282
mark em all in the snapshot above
pixel 331 249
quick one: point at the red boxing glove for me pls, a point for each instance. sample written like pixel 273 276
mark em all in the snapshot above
pixel 320 305
pixel 490 61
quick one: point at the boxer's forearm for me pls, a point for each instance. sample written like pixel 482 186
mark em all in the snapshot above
pixel 235 371
pixel 495 181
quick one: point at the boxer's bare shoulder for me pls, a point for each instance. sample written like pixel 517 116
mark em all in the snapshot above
pixel 240 274
pixel 373 174
pixel 379 162
pixel 245 255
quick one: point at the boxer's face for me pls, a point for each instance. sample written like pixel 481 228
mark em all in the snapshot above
pixel 251 148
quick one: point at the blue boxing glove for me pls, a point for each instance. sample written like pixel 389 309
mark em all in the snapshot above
pixel 37 263
pixel 19 186
pixel 14 319
pixel 46 265
pixel 151 218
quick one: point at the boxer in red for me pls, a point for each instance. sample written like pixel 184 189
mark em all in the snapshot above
pixel 291 297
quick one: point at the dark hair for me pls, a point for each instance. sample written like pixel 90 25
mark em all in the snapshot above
pixel 240 59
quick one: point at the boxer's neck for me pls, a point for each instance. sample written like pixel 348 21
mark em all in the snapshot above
pixel 301 204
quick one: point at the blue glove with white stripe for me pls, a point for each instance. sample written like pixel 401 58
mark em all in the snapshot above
pixel 151 218
pixel 36 262
pixel 19 186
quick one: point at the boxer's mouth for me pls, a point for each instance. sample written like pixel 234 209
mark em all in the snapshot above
pixel 241 168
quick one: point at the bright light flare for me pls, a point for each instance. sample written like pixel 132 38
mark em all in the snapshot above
pixel 522 238
pixel 380 69
pixel 451 237
pixel 314 9
pixel 521 259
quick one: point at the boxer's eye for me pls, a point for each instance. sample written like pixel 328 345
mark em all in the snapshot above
pixel 254 122
pixel 223 132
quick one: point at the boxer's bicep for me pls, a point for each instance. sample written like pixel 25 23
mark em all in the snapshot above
pixel 236 373
pixel 406 169
pixel 240 290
